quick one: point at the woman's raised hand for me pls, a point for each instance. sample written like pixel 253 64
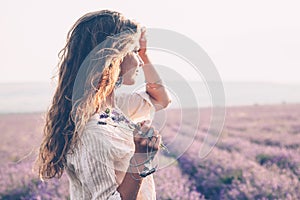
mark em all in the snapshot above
pixel 143 44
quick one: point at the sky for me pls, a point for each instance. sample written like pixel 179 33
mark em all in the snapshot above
pixel 257 40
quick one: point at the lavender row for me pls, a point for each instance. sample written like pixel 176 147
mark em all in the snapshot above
pixel 257 156
pixel 18 181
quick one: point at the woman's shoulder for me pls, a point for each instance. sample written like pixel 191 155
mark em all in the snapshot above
pixel 109 129
pixel 99 138
pixel 92 123
pixel 94 128
pixel 94 139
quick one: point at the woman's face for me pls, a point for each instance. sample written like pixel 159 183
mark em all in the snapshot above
pixel 129 67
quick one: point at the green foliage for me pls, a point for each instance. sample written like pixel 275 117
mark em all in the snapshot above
pixel 236 174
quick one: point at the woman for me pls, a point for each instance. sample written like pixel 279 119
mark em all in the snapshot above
pixel 101 140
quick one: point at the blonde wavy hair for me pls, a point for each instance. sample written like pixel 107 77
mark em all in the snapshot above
pixel 87 72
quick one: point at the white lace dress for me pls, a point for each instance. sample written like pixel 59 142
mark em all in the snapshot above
pixel 99 163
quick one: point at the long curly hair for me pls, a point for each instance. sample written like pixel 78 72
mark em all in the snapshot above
pixel 87 72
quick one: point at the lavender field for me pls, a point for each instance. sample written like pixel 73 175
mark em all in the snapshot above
pixel 256 157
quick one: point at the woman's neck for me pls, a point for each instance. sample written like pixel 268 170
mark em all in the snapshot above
pixel 110 100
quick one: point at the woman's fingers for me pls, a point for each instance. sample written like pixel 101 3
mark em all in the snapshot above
pixel 147 138
pixel 143 41
pixel 154 141
pixel 143 34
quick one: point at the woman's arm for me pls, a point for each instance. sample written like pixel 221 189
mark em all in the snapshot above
pixel 130 186
pixel 132 181
pixel 154 87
